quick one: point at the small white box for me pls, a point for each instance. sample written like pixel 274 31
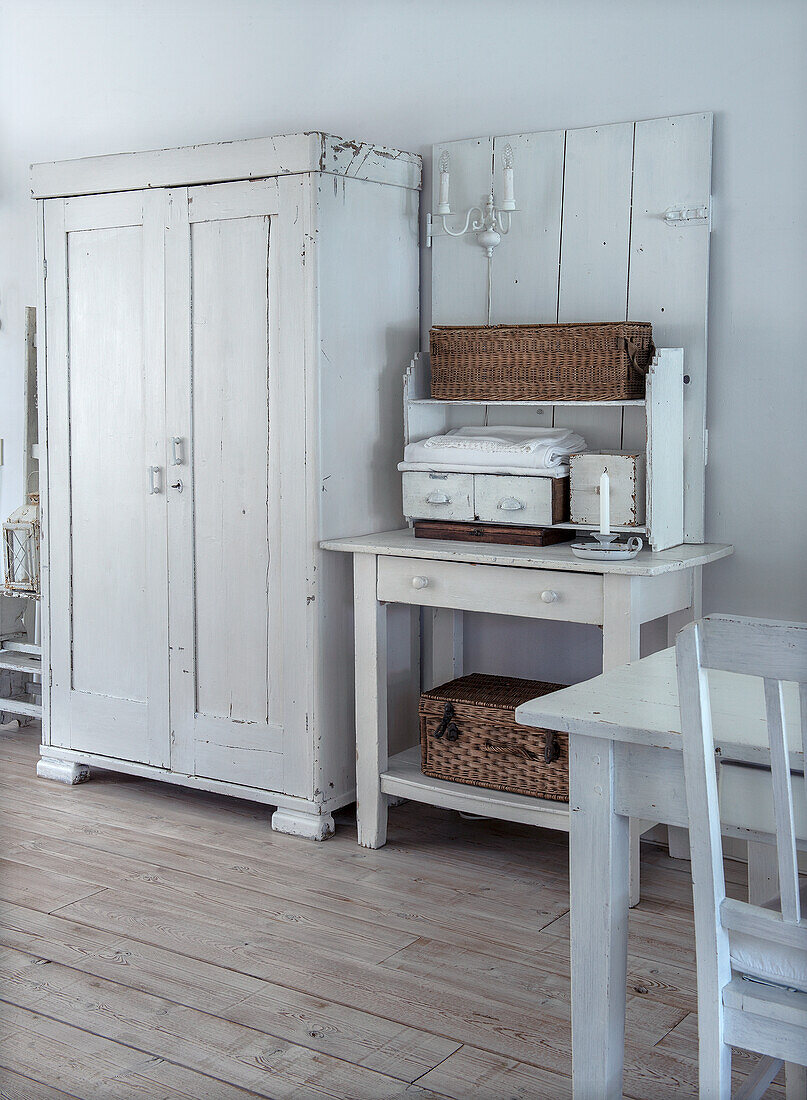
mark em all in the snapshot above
pixel 626 470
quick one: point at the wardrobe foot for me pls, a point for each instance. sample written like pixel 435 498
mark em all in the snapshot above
pixel 310 826
pixel 62 771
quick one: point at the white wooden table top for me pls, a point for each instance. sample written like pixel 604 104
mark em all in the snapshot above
pixel 639 703
pixel 645 564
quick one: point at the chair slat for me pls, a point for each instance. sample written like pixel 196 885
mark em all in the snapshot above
pixel 754 647
pixel 753 920
pixel 783 802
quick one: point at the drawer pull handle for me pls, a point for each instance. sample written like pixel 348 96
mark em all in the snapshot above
pixel 511 504
pixel 549 596
pixel 437 498
pixel 420 582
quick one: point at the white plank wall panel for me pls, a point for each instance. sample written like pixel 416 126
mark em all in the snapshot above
pixel 594 250
pixel 526 263
pixel 460 269
pixel 669 270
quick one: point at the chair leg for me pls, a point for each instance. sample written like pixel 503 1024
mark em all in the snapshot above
pixel 714 1066
pixel 756 1083
pixel 795 1081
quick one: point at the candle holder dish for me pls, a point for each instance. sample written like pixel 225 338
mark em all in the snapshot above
pixel 607 548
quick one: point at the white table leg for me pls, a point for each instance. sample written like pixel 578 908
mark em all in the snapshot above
pixel 370 627
pixel 446 639
pixel 621 637
pixel 677 837
pixel 599 860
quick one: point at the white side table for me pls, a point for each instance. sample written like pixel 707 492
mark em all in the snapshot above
pixel 543 583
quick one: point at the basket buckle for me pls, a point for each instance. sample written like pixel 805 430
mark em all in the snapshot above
pixel 447 726
pixel 551 747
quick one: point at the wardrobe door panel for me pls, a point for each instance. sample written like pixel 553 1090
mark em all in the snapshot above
pixel 232 478
pixel 108 591
pixel 227 641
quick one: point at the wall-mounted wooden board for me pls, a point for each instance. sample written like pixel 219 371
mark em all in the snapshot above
pixel 590 243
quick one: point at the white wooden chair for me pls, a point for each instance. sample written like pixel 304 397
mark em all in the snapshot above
pixel 752 960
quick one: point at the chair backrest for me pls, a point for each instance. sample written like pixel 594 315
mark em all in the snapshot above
pixel 776 653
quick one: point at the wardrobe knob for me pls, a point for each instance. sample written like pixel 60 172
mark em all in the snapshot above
pixel 549 596
pixel 420 582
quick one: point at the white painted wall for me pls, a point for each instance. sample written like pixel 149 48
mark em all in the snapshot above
pixel 79 77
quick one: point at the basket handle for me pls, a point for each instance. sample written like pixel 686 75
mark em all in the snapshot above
pixel 510 750
pixel 633 351
pixel 551 749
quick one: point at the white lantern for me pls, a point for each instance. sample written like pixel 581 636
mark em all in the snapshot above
pixel 21 549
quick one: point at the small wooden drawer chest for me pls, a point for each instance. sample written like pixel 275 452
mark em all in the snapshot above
pixel 486 498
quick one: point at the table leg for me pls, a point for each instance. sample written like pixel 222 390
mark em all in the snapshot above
pixel 370 628
pixel 621 637
pixel 599 860
pixel 678 838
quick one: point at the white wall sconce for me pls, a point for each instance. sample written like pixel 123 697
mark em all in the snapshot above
pixel 491 223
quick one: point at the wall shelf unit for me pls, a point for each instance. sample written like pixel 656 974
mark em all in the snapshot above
pixel 654 425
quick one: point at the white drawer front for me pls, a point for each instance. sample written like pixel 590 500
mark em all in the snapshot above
pixel 438 496
pixel 497 589
pixel 526 501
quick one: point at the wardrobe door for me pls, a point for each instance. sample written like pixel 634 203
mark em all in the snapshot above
pixel 227 637
pixel 107 504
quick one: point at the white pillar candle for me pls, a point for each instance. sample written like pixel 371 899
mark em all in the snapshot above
pixel 605 504
pixel 509 198
pixel 442 201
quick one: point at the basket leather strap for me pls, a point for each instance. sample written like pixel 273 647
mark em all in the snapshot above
pixel 510 750
pixel 551 749
pixel 633 351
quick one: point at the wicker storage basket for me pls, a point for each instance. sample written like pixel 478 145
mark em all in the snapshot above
pixel 583 362
pixel 469 734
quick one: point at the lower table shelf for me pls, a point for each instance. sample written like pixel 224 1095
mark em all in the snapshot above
pixel 404 779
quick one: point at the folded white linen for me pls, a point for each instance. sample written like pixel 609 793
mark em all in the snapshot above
pixel 519 448
pixel 458 468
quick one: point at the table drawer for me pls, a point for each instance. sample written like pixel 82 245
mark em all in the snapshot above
pixel 438 496
pixel 497 589
pixel 526 501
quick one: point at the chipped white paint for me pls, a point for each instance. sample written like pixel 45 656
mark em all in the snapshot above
pixel 62 771
pixel 215 315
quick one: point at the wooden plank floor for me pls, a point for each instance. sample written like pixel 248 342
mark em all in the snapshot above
pixel 164 943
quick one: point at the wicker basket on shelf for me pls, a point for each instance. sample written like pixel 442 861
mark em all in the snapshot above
pixel 469 734
pixel 604 361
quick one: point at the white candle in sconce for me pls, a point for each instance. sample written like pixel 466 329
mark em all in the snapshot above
pixel 508 198
pixel 605 503
pixel 442 202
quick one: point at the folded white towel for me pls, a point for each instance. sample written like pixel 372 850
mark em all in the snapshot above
pixel 459 468
pixel 494 446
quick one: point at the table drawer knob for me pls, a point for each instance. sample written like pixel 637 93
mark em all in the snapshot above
pixel 420 582
pixel 511 504
pixel 549 596
pixel 438 498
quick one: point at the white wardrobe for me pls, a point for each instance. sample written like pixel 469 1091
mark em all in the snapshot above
pixel 225 330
